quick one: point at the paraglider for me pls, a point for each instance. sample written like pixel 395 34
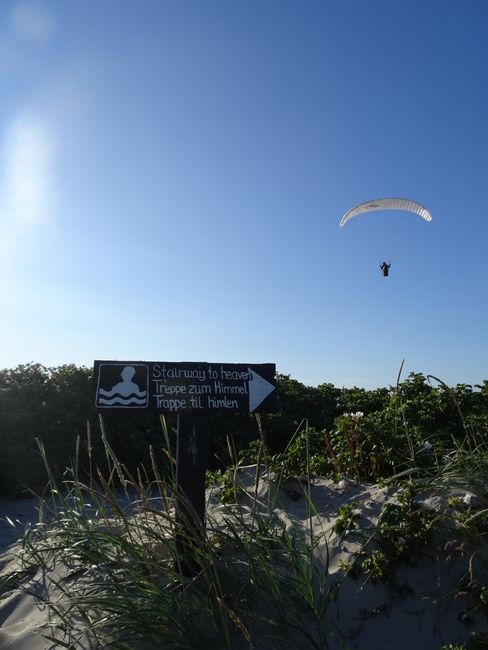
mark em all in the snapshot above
pixel 407 205
pixel 385 268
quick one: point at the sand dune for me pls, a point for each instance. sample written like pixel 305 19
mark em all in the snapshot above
pixel 424 605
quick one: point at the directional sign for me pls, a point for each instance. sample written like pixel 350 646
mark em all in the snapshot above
pixel 169 387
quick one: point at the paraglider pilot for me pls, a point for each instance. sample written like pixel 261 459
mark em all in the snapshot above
pixel 385 268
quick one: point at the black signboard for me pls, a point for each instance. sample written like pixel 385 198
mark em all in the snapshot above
pixel 184 387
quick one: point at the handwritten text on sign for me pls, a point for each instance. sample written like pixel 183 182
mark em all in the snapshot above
pixel 169 387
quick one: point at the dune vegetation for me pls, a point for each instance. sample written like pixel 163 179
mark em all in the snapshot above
pixel 349 518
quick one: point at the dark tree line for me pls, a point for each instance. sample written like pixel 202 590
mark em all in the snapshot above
pixel 55 405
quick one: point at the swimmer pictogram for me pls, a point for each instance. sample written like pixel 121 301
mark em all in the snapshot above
pixel 122 386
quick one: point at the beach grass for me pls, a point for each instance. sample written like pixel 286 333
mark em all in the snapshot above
pixel 115 573
pixel 115 570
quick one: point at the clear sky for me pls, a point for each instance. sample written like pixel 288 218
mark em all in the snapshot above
pixel 173 173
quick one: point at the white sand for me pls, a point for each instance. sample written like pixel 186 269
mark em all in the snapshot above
pixel 422 608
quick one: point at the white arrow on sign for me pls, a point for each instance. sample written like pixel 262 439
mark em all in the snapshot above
pixel 259 389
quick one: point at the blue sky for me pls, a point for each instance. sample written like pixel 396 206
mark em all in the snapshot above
pixel 173 174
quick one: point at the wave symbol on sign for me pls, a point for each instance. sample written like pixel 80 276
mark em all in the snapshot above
pixel 125 393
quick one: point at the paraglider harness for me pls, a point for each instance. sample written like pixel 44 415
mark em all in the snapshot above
pixel 385 268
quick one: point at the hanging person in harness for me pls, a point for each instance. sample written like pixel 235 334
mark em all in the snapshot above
pixel 385 268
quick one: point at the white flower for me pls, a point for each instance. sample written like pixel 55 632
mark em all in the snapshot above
pixel 354 416
pixel 427 445
pixel 468 498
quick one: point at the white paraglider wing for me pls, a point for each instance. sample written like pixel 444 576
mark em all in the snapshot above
pixel 386 204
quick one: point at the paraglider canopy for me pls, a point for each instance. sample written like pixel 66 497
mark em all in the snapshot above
pixel 386 204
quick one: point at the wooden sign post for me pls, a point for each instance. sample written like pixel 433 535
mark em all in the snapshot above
pixel 190 391
pixel 190 490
